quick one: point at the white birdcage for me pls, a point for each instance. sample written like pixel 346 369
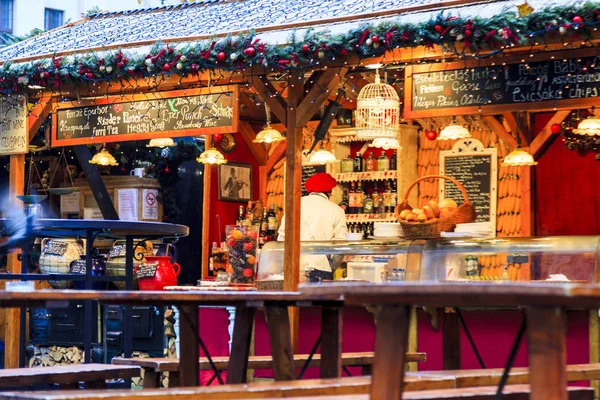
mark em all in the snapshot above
pixel 377 111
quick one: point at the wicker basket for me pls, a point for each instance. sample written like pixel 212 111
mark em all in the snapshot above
pixel 269 285
pixel 432 228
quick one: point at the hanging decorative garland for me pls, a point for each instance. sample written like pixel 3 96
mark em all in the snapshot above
pixel 503 30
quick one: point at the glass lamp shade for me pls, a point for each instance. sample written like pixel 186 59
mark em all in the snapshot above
pixel 268 135
pixel 211 156
pixel 589 127
pixel 104 159
pixel 454 131
pixel 322 156
pixel 386 143
pixel 161 142
pixel 377 111
pixel 518 158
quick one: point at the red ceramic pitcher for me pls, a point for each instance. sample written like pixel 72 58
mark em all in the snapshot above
pixel 166 273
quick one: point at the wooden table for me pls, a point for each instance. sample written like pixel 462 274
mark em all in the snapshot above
pixel 545 321
pixel 275 305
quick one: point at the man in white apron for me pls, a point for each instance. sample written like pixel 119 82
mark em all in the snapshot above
pixel 320 219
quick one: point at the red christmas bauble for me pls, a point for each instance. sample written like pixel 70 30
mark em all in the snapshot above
pixel 375 39
pixel 125 61
pixel 167 170
pixel 439 28
pixel 167 67
pixel 305 48
pixel 431 135
pixel 468 32
pixel 217 137
pixel 46 74
pixel 120 64
pixel 194 67
pixel 555 128
pixel 90 75
pixel 577 19
pixel 221 56
pixel 250 52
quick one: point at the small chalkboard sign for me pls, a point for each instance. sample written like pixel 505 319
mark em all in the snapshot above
pixel 476 167
pixel 308 171
pixel 55 247
pixel 147 270
pixel 78 267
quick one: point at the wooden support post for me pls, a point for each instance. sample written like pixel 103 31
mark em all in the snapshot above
pixel 96 184
pixel 278 322
pixel 189 367
pixel 594 345
pixel 451 340
pixel 526 193
pixel 547 346
pixel 240 347
pixel 293 193
pixel 206 217
pixel 407 162
pixel 391 340
pixel 498 128
pixel 16 187
pixel 331 342
pixel 413 338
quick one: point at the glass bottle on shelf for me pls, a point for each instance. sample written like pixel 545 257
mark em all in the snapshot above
pixel 358 163
pixel 371 163
pixel 240 218
pixel 272 221
pixel 344 203
pixel 394 161
pixel 387 196
pixel 264 229
pixel 383 163
pixel 249 217
pixel 368 204
pixel 376 200
pixel 211 260
pixel 352 199
pixel 393 198
pixel 359 198
pixel 347 164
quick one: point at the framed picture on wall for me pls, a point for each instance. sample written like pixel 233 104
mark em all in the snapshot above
pixel 235 182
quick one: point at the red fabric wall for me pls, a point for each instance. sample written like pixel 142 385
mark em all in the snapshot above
pixel 566 195
pixel 226 209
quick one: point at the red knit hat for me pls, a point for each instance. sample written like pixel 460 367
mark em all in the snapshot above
pixel 321 182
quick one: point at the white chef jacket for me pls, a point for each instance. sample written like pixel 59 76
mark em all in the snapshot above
pixel 320 219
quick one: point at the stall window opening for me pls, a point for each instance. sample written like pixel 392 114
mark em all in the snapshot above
pixel 53 18
pixel 6 16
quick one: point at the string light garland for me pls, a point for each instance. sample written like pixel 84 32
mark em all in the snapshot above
pixel 497 33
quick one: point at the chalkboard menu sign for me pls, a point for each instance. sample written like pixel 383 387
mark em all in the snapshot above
pixel 454 86
pixel 476 168
pixel 180 113
pixel 146 270
pixel 308 171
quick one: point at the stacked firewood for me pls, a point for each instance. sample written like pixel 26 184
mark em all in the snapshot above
pixel 49 356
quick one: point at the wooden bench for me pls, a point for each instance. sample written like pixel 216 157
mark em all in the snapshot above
pixel 154 367
pixel 302 388
pixel 94 375
pixel 292 391
pixel 486 377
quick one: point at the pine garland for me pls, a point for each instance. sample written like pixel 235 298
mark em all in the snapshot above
pixel 504 30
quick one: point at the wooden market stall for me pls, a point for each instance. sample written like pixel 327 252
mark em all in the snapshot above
pixel 512 88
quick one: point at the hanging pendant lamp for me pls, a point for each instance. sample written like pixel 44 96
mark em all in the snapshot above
pixel 589 126
pixel 377 111
pixel 322 156
pixel 104 158
pixel 386 143
pixel 161 142
pixel 211 156
pixel 454 131
pixel 518 157
pixel 268 134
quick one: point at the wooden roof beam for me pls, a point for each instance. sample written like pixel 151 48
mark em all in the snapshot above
pixel 495 125
pixel 271 96
pixel 519 126
pixel 258 151
pixel 37 115
pixel 275 156
pixel 543 139
pixel 327 81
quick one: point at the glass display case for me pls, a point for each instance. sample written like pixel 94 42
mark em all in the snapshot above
pixel 556 258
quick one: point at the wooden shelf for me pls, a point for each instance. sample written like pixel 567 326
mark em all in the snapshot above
pixel 386 217
pixel 365 176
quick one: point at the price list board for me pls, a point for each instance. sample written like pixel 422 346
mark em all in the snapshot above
pixel 477 172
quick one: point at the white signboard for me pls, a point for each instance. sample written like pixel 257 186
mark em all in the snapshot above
pixel 14 138
pixel 150 204
pixel 69 204
pixel 128 204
